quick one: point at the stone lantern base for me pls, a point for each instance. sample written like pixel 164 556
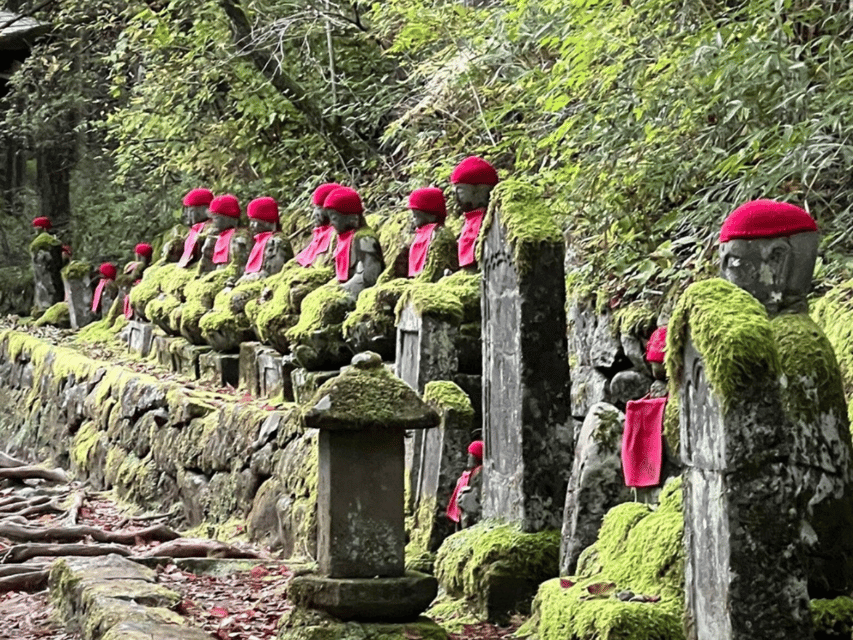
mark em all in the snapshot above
pixel 386 599
pixel 301 623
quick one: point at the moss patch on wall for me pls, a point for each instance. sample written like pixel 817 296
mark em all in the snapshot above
pixel 76 270
pixel 832 618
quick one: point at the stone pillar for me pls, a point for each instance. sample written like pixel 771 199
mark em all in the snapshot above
pixel 79 289
pixel 249 381
pixel 744 573
pixel 362 415
pixel 47 265
pixel 525 379
pixel 141 337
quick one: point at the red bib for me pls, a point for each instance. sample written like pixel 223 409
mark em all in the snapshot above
pixel 468 237
pixel 99 291
pixel 320 241
pixel 256 258
pixel 223 242
pixel 128 310
pixel 342 255
pixel 453 512
pixel 642 442
pixel 189 244
pixel 420 248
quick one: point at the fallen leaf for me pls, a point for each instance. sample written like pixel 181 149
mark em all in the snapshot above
pixel 219 612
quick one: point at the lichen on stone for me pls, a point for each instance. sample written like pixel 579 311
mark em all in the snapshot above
pixel 76 270
pixel 454 298
pixel 44 242
pixel 55 316
pixel 324 309
pixel 444 395
pixel 832 618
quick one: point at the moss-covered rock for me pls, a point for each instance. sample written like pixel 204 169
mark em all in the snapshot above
pixel 444 395
pixel 454 298
pixel 76 270
pixel 832 618
pixel 44 242
pixel 56 316
pixel 299 623
pixel 323 310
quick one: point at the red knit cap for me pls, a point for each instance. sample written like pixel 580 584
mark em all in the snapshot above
pixel 474 170
pixel 766 219
pixel 66 249
pixel 42 223
pixel 226 205
pixel 320 193
pixel 656 346
pixel 198 198
pixel 476 449
pixel 429 199
pixel 264 209
pixel 344 200
pixel 143 249
pixel 108 270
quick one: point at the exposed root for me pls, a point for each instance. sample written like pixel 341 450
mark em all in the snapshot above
pixel 197 548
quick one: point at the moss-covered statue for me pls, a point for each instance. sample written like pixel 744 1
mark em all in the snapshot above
pixel 106 290
pixel 277 307
pixel 46 253
pixel 463 508
pixel 226 325
pixel 429 255
pixel 167 277
pixel 223 259
pixel 473 180
pixel 317 339
pixel 132 275
pixel 769 249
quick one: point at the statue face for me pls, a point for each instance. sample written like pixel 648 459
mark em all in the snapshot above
pixel 421 218
pixel 776 271
pixel 344 222
pixel 194 215
pixel 470 197
pixel 221 223
pixel 259 226
pixel 273 258
pixel 319 216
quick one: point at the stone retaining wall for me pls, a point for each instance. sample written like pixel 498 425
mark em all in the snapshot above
pixel 157 442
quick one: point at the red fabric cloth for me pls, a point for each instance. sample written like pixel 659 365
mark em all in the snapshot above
pixel 226 205
pixel 144 249
pixel 344 200
pixel 108 270
pixel 474 170
pixel 320 241
pixel 264 209
pixel 453 512
pixel 766 219
pixel 223 243
pixel 42 223
pixel 99 291
pixel 476 449
pixel 429 199
pixel 130 266
pixel 128 310
pixel 256 257
pixel 657 345
pixel 420 248
pixel 468 237
pixel 342 251
pixel 642 442
pixel 318 198
pixel 198 198
pixel 189 244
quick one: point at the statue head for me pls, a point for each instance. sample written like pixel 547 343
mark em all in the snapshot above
pixel 196 203
pixel 344 208
pixel 769 249
pixel 427 206
pixel 224 212
pixel 320 216
pixel 263 215
pixel 143 252
pixel 108 271
pixel 42 224
pixel 655 352
pixel 473 180
pixel 475 454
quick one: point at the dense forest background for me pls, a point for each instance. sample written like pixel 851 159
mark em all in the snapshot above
pixel 641 123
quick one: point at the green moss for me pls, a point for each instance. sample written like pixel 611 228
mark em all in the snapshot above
pixel 324 309
pixel 174 279
pixel 76 270
pixel 832 618
pixel 527 223
pixel 375 306
pixel 298 623
pixel 443 395
pixel 638 318
pixel 453 613
pixel 454 298
pixel 160 310
pixel 442 256
pixel 148 288
pixel 731 331
pixel 834 314
pixel 44 242
pixel 468 557
pixel 56 316
pixel 289 287
pixel 83 446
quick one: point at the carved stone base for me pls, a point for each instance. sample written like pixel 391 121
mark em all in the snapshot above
pixel 141 337
pixel 299 623
pixel 393 599
pixel 219 368
pixel 248 377
pixel 185 357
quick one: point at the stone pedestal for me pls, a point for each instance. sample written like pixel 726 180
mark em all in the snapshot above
pixel 525 380
pixel 161 348
pixel 271 375
pixel 248 381
pixel 361 415
pixel 305 383
pixel 185 357
pixel 140 337
pixel 79 289
pixel 221 369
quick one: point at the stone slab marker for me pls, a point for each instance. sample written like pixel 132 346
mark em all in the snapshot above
pixel 78 283
pixel 525 377
pixel 745 578
pixel 362 415
pixel 141 337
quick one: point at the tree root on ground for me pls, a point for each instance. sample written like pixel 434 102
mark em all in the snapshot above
pixel 73 533
pixel 198 548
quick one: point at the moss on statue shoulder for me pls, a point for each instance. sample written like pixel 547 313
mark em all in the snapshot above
pixel 275 315
pixel 449 396
pixel 44 242
pixel 324 309
pixel 375 305
pixel 731 331
pixel 76 270
pixel 527 221
pixel 834 314
pixel 454 298
pixel 56 316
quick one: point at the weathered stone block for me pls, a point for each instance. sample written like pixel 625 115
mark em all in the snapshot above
pixel 306 383
pixel 185 357
pixel 140 337
pixel 249 367
pixel 271 373
pixel 221 369
pixel 589 387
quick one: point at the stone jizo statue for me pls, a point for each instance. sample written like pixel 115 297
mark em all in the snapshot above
pixel 270 251
pixel 106 290
pixel 473 180
pixel 195 216
pixel 216 252
pixel 47 261
pixel 358 256
pixel 321 237
pixel 464 505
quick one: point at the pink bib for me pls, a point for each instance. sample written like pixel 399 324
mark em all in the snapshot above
pixel 420 248
pixel 453 512
pixel 223 242
pixel 128 310
pixel 99 291
pixel 342 255
pixel 468 237
pixel 642 442
pixel 189 244
pixel 256 258
pixel 320 241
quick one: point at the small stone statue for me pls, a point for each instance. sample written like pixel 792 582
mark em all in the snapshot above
pixel 270 250
pixel 321 237
pixel 195 216
pixel 133 272
pixel 106 291
pixel 216 251
pixel 464 505
pixel 317 340
pixel 46 253
pixel 473 180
